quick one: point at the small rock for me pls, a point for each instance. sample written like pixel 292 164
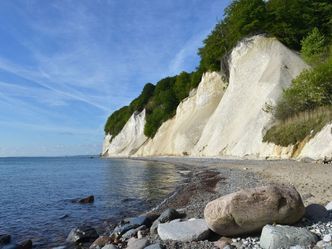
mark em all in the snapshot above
pixel 134 243
pixel 327 238
pixel 154 246
pixel 100 242
pixel 110 246
pixel 5 239
pixel 153 228
pixel 229 247
pixel 132 232
pixel 27 244
pixel 140 220
pixel 168 215
pixel 82 234
pixel 329 206
pixel 64 216
pixel 316 213
pixel 320 244
pixel 223 242
pixel 140 234
pixel 87 200
pixel 184 231
pixel 274 237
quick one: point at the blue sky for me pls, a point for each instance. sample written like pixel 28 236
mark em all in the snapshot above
pixel 66 65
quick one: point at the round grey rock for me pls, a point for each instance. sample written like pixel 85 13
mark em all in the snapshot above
pixel 275 237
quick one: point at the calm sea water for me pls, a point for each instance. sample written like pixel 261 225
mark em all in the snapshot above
pixel 36 193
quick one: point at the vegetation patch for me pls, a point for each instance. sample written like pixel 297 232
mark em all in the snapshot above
pixel 297 128
pixel 160 102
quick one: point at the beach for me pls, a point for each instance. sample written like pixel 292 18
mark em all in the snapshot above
pixel 211 178
pixel 312 180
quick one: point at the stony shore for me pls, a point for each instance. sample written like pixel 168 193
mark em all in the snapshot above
pixel 209 179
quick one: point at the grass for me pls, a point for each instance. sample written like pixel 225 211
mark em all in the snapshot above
pixel 295 129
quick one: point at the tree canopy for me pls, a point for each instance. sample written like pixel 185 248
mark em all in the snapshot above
pixel 288 20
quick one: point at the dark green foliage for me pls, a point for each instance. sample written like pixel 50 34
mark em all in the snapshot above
pixel 196 78
pixel 291 20
pixel 139 103
pixel 288 20
pixel 182 85
pixel 160 102
pixel 119 118
pixel 313 47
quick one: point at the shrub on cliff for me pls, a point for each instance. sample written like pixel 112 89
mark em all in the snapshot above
pixel 311 89
pixel 314 47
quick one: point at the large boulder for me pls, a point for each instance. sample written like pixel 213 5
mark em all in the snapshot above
pixel 274 237
pixel 249 210
pixel 186 231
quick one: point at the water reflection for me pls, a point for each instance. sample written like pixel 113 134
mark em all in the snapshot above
pixel 140 180
pixel 35 193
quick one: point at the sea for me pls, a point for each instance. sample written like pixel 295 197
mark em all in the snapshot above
pixel 37 194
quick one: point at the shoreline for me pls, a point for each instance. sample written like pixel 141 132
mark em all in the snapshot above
pixel 211 178
pixel 206 179
pixel 312 180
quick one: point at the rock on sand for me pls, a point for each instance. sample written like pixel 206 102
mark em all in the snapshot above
pixel 249 210
pixel 191 230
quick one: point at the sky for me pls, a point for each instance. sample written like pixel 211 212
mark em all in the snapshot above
pixel 66 65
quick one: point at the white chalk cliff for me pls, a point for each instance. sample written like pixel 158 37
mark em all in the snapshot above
pixel 179 135
pixel 129 140
pixel 219 120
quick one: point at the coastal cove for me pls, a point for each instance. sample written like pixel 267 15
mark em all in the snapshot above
pixel 37 194
pixel 184 183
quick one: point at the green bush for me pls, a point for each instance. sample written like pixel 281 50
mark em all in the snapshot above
pixel 311 89
pixel 297 128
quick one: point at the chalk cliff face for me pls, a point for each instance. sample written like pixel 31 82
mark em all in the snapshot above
pixel 259 69
pixel 319 146
pixel 219 120
pixel 129 140
pixel 179 135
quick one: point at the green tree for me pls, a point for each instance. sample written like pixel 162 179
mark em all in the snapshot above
pixel 313 46
pixel 182 85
